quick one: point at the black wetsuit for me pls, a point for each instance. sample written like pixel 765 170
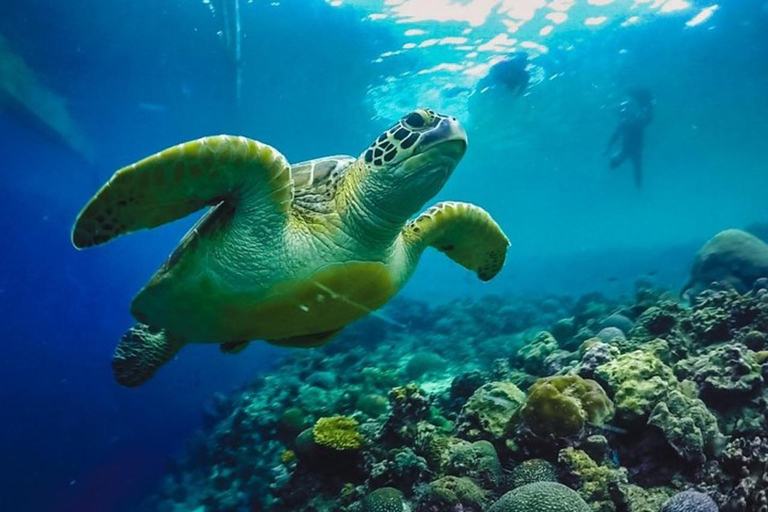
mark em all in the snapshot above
pixel 630 132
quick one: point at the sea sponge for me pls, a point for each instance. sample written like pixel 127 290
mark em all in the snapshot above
pixel 541 497
pixel 690 501
pixel 560 406
pixel 386 499
pixel 531 471
pixel 338 433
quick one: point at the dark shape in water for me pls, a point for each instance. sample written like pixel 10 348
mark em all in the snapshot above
pixel 635 114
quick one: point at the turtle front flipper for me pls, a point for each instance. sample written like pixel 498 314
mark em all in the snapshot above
pixel 141 352
pixel 183 179
pixel 465 233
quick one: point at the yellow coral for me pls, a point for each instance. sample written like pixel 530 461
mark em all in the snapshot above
pixel 287 456
pixel 338 433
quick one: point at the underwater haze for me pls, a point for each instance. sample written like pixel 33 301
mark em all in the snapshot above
pixel 391 412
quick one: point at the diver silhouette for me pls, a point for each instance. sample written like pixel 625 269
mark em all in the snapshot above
pixel 635 113
pixel 511 72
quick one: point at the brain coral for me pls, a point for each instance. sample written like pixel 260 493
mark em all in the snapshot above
pixel 531 471
pixel 560 406
pixel 690 501
pixel 541 497
pixel 386 499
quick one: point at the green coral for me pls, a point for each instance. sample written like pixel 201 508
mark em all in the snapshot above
pixel 477 461
pixel 641 499
pixel 639 380
pixel 659 321
pixel 532 356
pixel 723 373
pixel 531 471
pixel 292 422
pixel 688 426
pixel 595 481
pixel 541 497
pixel 488 411
pixel 338 433
pixel 386 499
pixel 304 445
pixel 378 378
pixel 451 493
pixel 422 363
pixel 560 406
pixel 659 348
pixel 372 405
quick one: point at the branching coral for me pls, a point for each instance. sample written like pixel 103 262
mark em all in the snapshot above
pixel 337 433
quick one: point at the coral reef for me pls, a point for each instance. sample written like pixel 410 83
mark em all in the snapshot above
pixel 542 497
pixel 560 406
pixel 386 499
pixel 488 411
pixel 451 493
pixel 484 405
pixel 337 433
pixel 732 256
pixel 690 501
pixel 531 471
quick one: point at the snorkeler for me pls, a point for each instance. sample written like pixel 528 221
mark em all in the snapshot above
pixel 512 72
pixel 635 113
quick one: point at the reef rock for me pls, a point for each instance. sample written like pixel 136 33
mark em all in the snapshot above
pixel 488 411
pixel 731 256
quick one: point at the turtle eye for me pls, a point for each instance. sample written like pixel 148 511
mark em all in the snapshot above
pixel 414 120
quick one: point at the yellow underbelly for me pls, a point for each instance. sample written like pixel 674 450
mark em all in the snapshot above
pixel 328 300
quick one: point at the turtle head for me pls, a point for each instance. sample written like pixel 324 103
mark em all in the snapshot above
pixel 409 163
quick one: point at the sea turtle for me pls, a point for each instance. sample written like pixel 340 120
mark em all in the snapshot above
pixel 286 254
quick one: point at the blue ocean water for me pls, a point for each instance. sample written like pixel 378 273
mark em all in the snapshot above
pixel 320 78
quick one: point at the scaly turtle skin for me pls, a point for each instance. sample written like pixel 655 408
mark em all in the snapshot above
pixel 286 254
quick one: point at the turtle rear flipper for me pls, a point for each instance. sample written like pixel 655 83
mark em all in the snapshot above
pixel 141 352
pixel 183 179
pixel 465 233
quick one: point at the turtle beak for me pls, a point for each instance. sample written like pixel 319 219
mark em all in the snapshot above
pixel 449 135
